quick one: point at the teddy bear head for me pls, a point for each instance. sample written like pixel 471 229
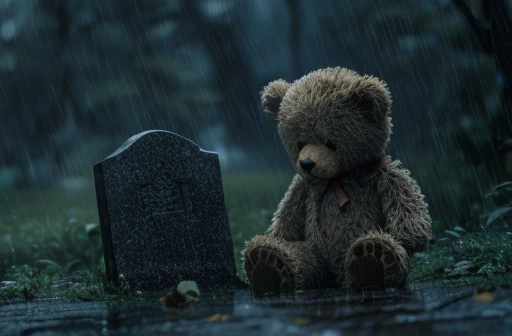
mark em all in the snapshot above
pixel 330 120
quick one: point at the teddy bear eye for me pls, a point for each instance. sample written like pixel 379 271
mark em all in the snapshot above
pixel 301 145
pixel 330 145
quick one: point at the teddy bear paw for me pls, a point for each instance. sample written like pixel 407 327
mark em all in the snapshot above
pixel 374 266
pixel 267 273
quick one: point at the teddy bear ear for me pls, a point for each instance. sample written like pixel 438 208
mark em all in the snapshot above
pixel 271 97
pixel 373 99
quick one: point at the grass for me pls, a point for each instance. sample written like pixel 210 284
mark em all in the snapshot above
pixel 483 259
pixel 48 249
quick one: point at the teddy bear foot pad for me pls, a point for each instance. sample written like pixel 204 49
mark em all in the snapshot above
pixel 269 276
pixel 373 267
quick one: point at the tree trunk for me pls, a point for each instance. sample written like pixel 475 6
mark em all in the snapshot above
pixel 496 40
pixel 233 74
pixel 293 6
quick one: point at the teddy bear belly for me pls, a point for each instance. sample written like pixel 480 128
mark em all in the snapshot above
pixel 336 228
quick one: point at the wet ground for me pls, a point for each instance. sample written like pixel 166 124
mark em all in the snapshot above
pixel 421 311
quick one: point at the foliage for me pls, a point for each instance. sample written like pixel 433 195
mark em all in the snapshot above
pixel 108 70
pixel 451 192
pixel 49 250
pixel 501 214
pixel 49 225
pixel 51 244
pixel 483 256
pixel 103 69
pixel 48 279
pixel 461 257
pixel 450 119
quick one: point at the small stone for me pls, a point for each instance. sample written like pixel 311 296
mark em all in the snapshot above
pixel 218 317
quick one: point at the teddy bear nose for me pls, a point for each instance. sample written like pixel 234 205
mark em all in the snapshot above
pixel 307 164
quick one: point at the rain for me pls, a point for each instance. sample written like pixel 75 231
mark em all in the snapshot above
pixel 80 77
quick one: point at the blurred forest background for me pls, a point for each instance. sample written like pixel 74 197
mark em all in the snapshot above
pixel 78 77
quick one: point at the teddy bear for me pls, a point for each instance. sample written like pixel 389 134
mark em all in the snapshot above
pixel 351 217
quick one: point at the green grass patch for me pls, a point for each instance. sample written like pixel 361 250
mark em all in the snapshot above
pixel 48 247
pixel 483 259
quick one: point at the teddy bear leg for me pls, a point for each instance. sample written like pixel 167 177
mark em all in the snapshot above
pixel 276 267
pixel 376 260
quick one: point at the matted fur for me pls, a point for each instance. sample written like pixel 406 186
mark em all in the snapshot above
pixel 352 112
pixel 271 97
pixel 336 105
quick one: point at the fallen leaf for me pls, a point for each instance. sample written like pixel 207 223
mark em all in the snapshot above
pixel 452 234
pixel 497 214
pixel 173 299
pixel 465 264
pixel 218 317
pixel 507 186
pixel 301 320
pixel 459 229
pixel 181 296
pixel 91 228
pixel 188 288
pixel 484 297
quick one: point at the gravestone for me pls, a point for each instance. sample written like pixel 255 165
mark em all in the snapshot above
pixel 162 214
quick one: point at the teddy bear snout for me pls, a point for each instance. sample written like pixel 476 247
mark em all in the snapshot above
pixel 307 164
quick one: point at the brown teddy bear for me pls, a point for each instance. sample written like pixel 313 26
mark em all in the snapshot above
pixel 351 216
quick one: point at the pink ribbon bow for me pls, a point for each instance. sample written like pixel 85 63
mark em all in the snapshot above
pixel 341 195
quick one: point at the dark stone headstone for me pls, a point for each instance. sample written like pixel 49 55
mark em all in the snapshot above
pixel 162 214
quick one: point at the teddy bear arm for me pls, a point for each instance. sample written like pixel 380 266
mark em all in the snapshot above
pixel 288 222
pixel 406 213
